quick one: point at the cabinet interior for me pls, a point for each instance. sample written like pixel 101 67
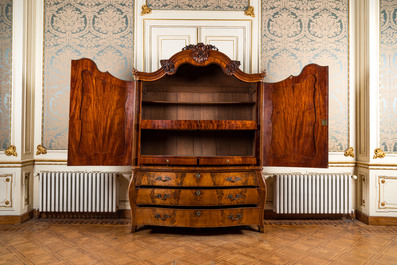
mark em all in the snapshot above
pixel 195 94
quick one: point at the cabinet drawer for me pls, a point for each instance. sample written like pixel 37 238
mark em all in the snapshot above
pixel 197 197
pixel 198 217
pixel 196 179
pixel 227 160
pixel 167 160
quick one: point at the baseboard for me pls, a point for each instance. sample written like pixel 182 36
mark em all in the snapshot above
pixel 15 219
pixel 271 215
pixel 119 214
pixel 375 220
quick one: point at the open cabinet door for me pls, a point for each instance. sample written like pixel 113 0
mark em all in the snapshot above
pixel 102 116
pixel 295 120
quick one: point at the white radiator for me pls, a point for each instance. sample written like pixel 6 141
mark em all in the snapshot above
pixel 78 192
pixel 313 194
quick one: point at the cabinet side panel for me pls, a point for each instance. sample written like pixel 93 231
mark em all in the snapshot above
pixel 295 120
pixel 101 117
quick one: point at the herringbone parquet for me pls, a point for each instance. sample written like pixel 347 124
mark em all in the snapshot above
pixel 56 241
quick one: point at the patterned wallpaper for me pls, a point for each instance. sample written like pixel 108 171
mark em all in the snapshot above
pixel 198 4
pixel 101 30
pixel 388 76
pixel 5 71
pixel 298 32
pixel 294 33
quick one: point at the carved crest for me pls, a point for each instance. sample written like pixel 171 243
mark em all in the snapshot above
pixel 168 66
pixel 200 51
pixel 232 67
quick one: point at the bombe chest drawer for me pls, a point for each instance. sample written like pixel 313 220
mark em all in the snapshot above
pixel 197 197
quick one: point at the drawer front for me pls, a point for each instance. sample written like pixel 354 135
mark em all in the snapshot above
pixel 167 160
pixel 196 179
pixel 232 160
pixel 197 197
pixel 198 217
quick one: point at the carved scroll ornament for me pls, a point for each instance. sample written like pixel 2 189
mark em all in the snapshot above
pixel 200 51
pixel 168 66
pixel 11 151
pixel 232 67
pixel 349 152
pixel 379 153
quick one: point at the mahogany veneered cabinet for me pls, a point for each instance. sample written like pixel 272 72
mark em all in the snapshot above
pixel 197 133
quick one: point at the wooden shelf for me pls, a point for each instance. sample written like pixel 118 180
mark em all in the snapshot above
pixel 197 160
pixel 199 102
pixel 198 125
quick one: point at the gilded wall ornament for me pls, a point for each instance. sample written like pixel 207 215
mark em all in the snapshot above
pixel 200 51
pixel 249 11
pixel 41 150
pixel 379 153
pixel 349 152
pixel 145 10
pixel 11 151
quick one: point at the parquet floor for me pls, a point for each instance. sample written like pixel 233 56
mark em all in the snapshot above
pixel 56 241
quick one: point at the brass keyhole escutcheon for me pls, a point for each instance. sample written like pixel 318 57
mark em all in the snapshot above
pixel 167 161
pixel 198 193
pixel 228 161
pixel 198 213
pixel 198 175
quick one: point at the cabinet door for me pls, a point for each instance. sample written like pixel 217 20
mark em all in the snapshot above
pixel 295 120
pixel 101 120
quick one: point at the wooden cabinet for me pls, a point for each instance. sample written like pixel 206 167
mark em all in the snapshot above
pixel 197 133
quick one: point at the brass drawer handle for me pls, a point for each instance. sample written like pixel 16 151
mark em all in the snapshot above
pixel 230 179
pixel 160 196
pixel 158 216
pixel 198 193
pixel 238 216
pixel 198 213
pixel 238 196
pixel 163 180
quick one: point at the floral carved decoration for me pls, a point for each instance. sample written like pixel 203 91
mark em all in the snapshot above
pixel 200 51
pixel 232 67
pixel 168 66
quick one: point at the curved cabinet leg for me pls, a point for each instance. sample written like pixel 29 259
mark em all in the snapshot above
pixel 134 228
pixel 261 228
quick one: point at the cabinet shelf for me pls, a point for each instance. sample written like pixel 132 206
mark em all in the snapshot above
pixel 199 102
pixel 199 125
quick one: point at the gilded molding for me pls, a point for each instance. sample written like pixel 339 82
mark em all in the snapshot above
pixel 249 11
pixel 11 151
pixel 349 152
pixel 41 150
pixel 379 153
pixel 145 10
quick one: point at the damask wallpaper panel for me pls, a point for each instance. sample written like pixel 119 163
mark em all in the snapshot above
pixel 298 32
pixel 5 72
pixel 101 30
pixel 388 76
pixel 226 5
